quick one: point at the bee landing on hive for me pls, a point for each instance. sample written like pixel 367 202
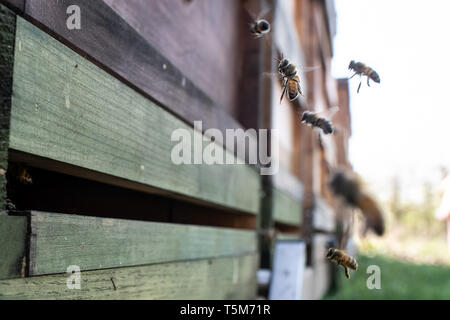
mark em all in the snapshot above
pixel 343 259
pixel 361 69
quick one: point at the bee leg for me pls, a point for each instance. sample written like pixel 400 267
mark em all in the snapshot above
pixel 284 90
pixel 352 76
pixel 368 79
pixel 359 87
pixel 282 94
pixel 299 88
pixel 347 274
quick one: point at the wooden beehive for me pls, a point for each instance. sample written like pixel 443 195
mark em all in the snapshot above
pixel 88 114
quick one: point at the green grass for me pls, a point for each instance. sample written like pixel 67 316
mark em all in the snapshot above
pixel 399 280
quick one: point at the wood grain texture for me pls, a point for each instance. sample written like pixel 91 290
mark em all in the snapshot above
pixel 214 279
pixel 13 237
pixel 16 5
pixel 67 109
pixel 132 54
pixel 286 209
pixel 58 241
pixel 7 40
pixel 199 37
pixel 266 64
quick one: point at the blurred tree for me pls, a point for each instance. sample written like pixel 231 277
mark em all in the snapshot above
pixel 428 207
pixel 394 203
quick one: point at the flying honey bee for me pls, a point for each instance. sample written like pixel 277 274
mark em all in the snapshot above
pixel 259 28
pixel 317 121
pixel 346 184
pixel 291 81
pixel 362 70
pixel 343 259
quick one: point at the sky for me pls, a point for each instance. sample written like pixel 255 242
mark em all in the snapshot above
pixel 400 127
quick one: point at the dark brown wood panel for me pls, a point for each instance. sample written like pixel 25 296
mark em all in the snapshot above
pixel 16 5
pixel 199 37
pixel 112 43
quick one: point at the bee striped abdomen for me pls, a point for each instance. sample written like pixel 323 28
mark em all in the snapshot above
pixel 347 261
pixel 319 122
pixel 372 74
pixel 259 28
pixel 294 89
pixel 350 262
pixel 325 125
pixel 342 259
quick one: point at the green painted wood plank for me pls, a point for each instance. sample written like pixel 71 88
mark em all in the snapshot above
pixel 285 181
pixel 223 278
pixel 67 109
pixel 59 240
pixel 286 209
pixel 13 238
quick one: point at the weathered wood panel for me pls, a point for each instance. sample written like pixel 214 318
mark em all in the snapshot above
pixel 322 266
pixel 324 217
pixel 58 241
pixel 119 46
pixel 17 5
pixel 318 277
pixel 13 235
pixel 266 64
pixel 288 183
pixel 286 209
pixel 7 40
pixel 223 278
pixel 67 109
pixel 199 37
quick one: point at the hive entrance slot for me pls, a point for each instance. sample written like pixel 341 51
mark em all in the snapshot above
pixel 33 188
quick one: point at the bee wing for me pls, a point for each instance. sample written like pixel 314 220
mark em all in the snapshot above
pixel 258 16
pixel 253 19
pixel 309 69
pixel 330 113
pixel 271 74
pixel 263 13
pixel 250 13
